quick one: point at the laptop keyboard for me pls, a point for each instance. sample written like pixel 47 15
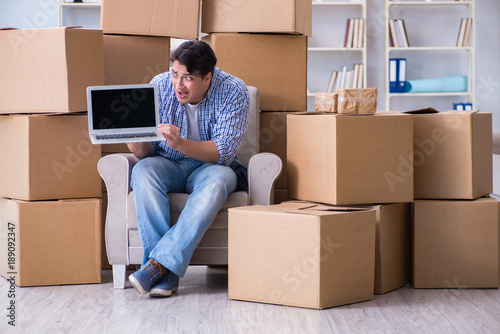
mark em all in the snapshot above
pixel 127 135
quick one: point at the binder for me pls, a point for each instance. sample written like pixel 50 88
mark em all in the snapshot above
pixel 467 106
pixel 401 81
pixel 458 106
pixel 393 75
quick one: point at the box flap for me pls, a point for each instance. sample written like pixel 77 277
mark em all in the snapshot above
pixel 427 110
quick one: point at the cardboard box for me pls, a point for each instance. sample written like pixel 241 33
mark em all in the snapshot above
pixel 169 18
pixel 48 70
pixel 51 242
pixel 304 255
pixel 350 159
pixel 456 244
pixel 134 59
pixel 357 101
pixel 277 17
pixel 275 64
pixel 326 102
pixel 48 157
pixel 393 247
pixel 453 155
pixel 273 140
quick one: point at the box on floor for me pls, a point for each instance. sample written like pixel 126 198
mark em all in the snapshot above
pixel 303 254
pixel 48 157
pixel 277 17
pixel 275 64
pixel 350 159
pixel 134 59
pixel 51 242
pixel 456 243
pixel 48 70
pixel 169 18
pixel 453 154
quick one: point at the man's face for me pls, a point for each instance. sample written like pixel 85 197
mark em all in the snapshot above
pixel 189 87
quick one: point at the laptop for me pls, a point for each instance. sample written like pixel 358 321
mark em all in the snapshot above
pixel 123 113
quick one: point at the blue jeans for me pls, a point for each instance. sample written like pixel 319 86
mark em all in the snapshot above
pixel 153 178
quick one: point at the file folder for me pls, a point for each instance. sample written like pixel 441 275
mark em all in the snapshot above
pixel 401 75
pixel 393 75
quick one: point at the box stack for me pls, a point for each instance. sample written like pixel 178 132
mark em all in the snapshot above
pixel 357 167
pixel 264 44
pixel 137 38
pixel 456 224
pixel 50 205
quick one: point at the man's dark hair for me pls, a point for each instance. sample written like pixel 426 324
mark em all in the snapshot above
pixel 197 56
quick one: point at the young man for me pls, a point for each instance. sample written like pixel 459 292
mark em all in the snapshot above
pixel 204 116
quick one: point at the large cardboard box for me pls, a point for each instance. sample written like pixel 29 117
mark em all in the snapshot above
pixel 169 18
pixel 134 59
pixel 303 254
pixel 51 242
pixel 278 17
pixel 275 64
pixel 453 155
pixel 350 159
pixel 456 244
pixel 48 157
pixel 47 70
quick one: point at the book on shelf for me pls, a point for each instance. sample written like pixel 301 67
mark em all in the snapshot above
pixel 332 82
pixel 354 33
pixel 468 24
pixel 397 33
pixel 346 78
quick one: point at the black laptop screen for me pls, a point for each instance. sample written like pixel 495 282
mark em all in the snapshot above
pixel 123 108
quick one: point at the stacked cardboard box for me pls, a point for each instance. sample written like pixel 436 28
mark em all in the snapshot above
pixel 352 164
pixel 50 205
pixel 456 225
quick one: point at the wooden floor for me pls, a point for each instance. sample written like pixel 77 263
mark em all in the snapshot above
pixel 202 306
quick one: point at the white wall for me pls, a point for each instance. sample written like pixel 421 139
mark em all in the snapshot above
pixel 44 13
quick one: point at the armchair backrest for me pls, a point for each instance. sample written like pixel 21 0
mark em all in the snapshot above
pixel 250 145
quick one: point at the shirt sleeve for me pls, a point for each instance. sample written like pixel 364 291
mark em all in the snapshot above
pixel 231 124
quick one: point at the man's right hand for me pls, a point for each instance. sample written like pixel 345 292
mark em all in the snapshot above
pixel 141 150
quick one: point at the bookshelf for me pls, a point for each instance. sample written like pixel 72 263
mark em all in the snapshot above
pixel 64 5
pixel 326 51
pixel 437 55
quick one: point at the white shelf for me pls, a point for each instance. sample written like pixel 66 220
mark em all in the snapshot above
pixel 428 3
pixel 470 50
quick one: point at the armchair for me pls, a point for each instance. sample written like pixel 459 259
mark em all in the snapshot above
pixel 123 243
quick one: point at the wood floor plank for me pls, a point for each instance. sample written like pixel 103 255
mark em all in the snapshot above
pixel 202 306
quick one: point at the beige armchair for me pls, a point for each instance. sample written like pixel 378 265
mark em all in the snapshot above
pixel 123 244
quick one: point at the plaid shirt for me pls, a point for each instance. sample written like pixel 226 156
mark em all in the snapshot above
pixel 222 117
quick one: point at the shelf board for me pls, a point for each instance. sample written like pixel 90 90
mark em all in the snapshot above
pixel 428 3
pixel 81 4
pixel 428 94
pixel 339 3
pixel 431 48
pixel 326 49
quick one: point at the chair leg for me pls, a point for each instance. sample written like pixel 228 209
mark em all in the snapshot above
pixel 119 276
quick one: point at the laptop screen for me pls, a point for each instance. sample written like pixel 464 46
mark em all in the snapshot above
pixel 122 108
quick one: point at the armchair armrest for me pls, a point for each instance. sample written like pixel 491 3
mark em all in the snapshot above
pixel 263 170
pixel 115 170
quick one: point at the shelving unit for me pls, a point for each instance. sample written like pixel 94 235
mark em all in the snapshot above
pixel 327 53
pixel 417 51
pixel 68 5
